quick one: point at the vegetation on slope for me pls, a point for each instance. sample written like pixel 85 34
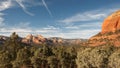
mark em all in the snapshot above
pixel 14 54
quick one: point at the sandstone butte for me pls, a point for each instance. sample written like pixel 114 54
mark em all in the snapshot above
pixel 34 39
pixel 110 32
pixel 39 39
pixel 111 23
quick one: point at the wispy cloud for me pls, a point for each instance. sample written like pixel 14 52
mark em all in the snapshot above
pixel 86 24
pixel 82 17
pixel 50 27
pixel 24 29
pixel 90 25
pixel 20 2
pixel 88 16
pixel 5 4
pixel 81 33
pixel 44 3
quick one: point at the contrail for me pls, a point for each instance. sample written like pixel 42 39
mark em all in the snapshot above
pixel 43 1
pixel 23 7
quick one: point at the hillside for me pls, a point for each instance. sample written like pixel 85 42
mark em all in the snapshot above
pixel 110 32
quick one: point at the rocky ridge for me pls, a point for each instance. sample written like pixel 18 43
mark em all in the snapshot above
pixel 110 32
pixel 111 23
pixel 39 39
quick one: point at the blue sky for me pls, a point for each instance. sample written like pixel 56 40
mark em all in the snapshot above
pixel 55 18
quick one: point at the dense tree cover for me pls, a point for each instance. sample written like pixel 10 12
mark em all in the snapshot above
pixel 14 54
pixel 94 57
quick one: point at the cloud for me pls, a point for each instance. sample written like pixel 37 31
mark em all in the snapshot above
pixel 22 5
pixel 90 25
pixel 81 33
pixel 44 3
pixel 16 28
pixel 83 17
pixel 72 27
pixel 84 30
pixel 23 25
pixel 5 5
pixel 24 28
pixel 88 16
pixel 20 2
pixel 86 24
pixel 50 27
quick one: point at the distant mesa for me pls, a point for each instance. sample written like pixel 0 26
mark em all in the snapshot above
pixel 29 36
pixel 39 39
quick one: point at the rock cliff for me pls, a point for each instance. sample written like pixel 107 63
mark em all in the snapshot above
pixel 39 39
pixel 110 33
pixel 111 23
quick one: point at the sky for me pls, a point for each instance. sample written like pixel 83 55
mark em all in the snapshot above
pixel 55 18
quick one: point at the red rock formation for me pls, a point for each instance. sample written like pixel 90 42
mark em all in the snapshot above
pixel 57 40
pixel 110 31
pixel 34 39
pixel 30 36
pixel 111 23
